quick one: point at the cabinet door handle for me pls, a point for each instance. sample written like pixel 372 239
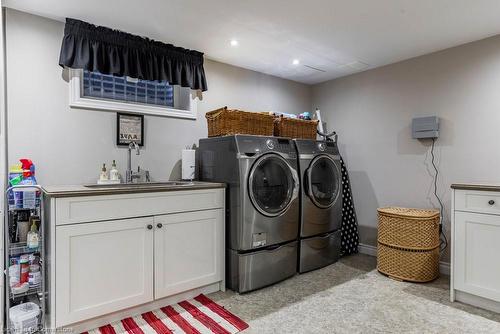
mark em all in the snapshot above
pixel 159 225
pixel 150 227
pixel 491 202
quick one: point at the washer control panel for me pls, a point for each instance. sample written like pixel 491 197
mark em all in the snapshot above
pixel 259 145
pixel 316 146
pixel 270 144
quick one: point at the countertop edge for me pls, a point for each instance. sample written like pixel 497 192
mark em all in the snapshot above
pixel 114 191
pixel 483 187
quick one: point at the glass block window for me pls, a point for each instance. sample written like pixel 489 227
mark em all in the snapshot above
pixel 103 86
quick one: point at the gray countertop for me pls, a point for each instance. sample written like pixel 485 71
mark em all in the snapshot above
pixel 82 190
pixel 477 186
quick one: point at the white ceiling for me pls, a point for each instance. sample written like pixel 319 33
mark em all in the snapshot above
pixel 338 37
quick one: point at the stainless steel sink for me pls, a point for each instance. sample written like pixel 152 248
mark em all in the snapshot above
pixel 142 184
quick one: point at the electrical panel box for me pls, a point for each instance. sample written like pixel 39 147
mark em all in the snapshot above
pixel 425 127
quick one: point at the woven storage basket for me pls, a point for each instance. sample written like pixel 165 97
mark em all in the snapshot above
pixel 408 228
pixel 224 121
pixel 295 128
pixel 408 243
pixel 408 265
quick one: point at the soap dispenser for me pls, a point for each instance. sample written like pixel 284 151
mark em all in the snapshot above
pixel 104 174
pixel 113 173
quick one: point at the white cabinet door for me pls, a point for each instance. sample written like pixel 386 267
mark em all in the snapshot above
pixel 102 267
pixel 477 245
pixel 189 251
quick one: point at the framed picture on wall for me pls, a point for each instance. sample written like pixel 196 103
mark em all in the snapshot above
pixel 129 128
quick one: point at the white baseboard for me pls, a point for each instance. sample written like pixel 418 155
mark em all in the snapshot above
pixel 477 301
pixel 444 267
pixel 367 249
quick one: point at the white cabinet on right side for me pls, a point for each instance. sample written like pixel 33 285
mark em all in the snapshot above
pixel 475 275
pixel 188 251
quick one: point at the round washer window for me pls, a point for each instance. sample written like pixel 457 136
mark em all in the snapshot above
pixel 324 181
pixel 271 185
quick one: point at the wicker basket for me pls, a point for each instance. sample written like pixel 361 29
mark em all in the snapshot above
pixel 408 243
pixel 408 265
pixel 224 121
pixel 295 128
pixel 408 228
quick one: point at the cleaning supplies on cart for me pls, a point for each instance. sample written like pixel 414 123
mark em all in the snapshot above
pixel 23 174
pixel 32 236
pixel 23 228
pixel 20 288
pixel 17 218
pixel 24 318
pixel 25 269
pixel 35 276
pixel 14 273
pixel 22 225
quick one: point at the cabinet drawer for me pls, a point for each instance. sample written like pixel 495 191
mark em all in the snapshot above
pixel 477 201
pixel 73 210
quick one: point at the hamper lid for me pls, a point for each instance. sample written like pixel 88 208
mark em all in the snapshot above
pixel 409 212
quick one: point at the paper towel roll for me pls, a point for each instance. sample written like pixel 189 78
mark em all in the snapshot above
pixel 188 164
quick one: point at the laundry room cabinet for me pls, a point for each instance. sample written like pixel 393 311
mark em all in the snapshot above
pixel 475 275
pixel 193 238
pixel 102 267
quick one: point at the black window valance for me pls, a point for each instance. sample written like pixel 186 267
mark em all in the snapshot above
pixel 109 51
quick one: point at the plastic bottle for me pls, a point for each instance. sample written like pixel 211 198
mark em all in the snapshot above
pixel 32 239
pixel 25 268
pixel 113 173
pixel 104 174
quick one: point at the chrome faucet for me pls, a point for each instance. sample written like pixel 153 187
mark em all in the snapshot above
pixel 131 176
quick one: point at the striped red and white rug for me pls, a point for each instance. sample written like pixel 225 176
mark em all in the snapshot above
pixel 196 316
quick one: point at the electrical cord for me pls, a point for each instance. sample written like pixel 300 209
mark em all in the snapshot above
pixel 443 240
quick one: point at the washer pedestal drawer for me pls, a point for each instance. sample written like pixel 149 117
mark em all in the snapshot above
pixel 250 271
pixel 318 252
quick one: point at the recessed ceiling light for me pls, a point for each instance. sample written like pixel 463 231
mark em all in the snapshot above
pixel 234 42
pixel 296 62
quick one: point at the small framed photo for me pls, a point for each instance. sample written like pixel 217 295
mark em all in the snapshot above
pixel 129 128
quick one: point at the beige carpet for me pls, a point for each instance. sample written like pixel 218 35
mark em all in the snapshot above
pixel 352 297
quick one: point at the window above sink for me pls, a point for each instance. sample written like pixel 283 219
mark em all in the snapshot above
pixel 93 90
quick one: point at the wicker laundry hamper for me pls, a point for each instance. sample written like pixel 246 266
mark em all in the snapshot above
pixel 408 244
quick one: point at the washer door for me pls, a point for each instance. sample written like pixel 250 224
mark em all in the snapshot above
pixel 323 181
pixel 272 185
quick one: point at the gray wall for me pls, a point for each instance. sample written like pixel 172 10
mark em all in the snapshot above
pixel 69 145
pixel 372 112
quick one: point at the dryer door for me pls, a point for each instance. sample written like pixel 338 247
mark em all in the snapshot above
pixel 323 181
pixel 272 184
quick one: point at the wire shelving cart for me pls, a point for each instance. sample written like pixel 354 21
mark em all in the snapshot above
pixel 15 249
